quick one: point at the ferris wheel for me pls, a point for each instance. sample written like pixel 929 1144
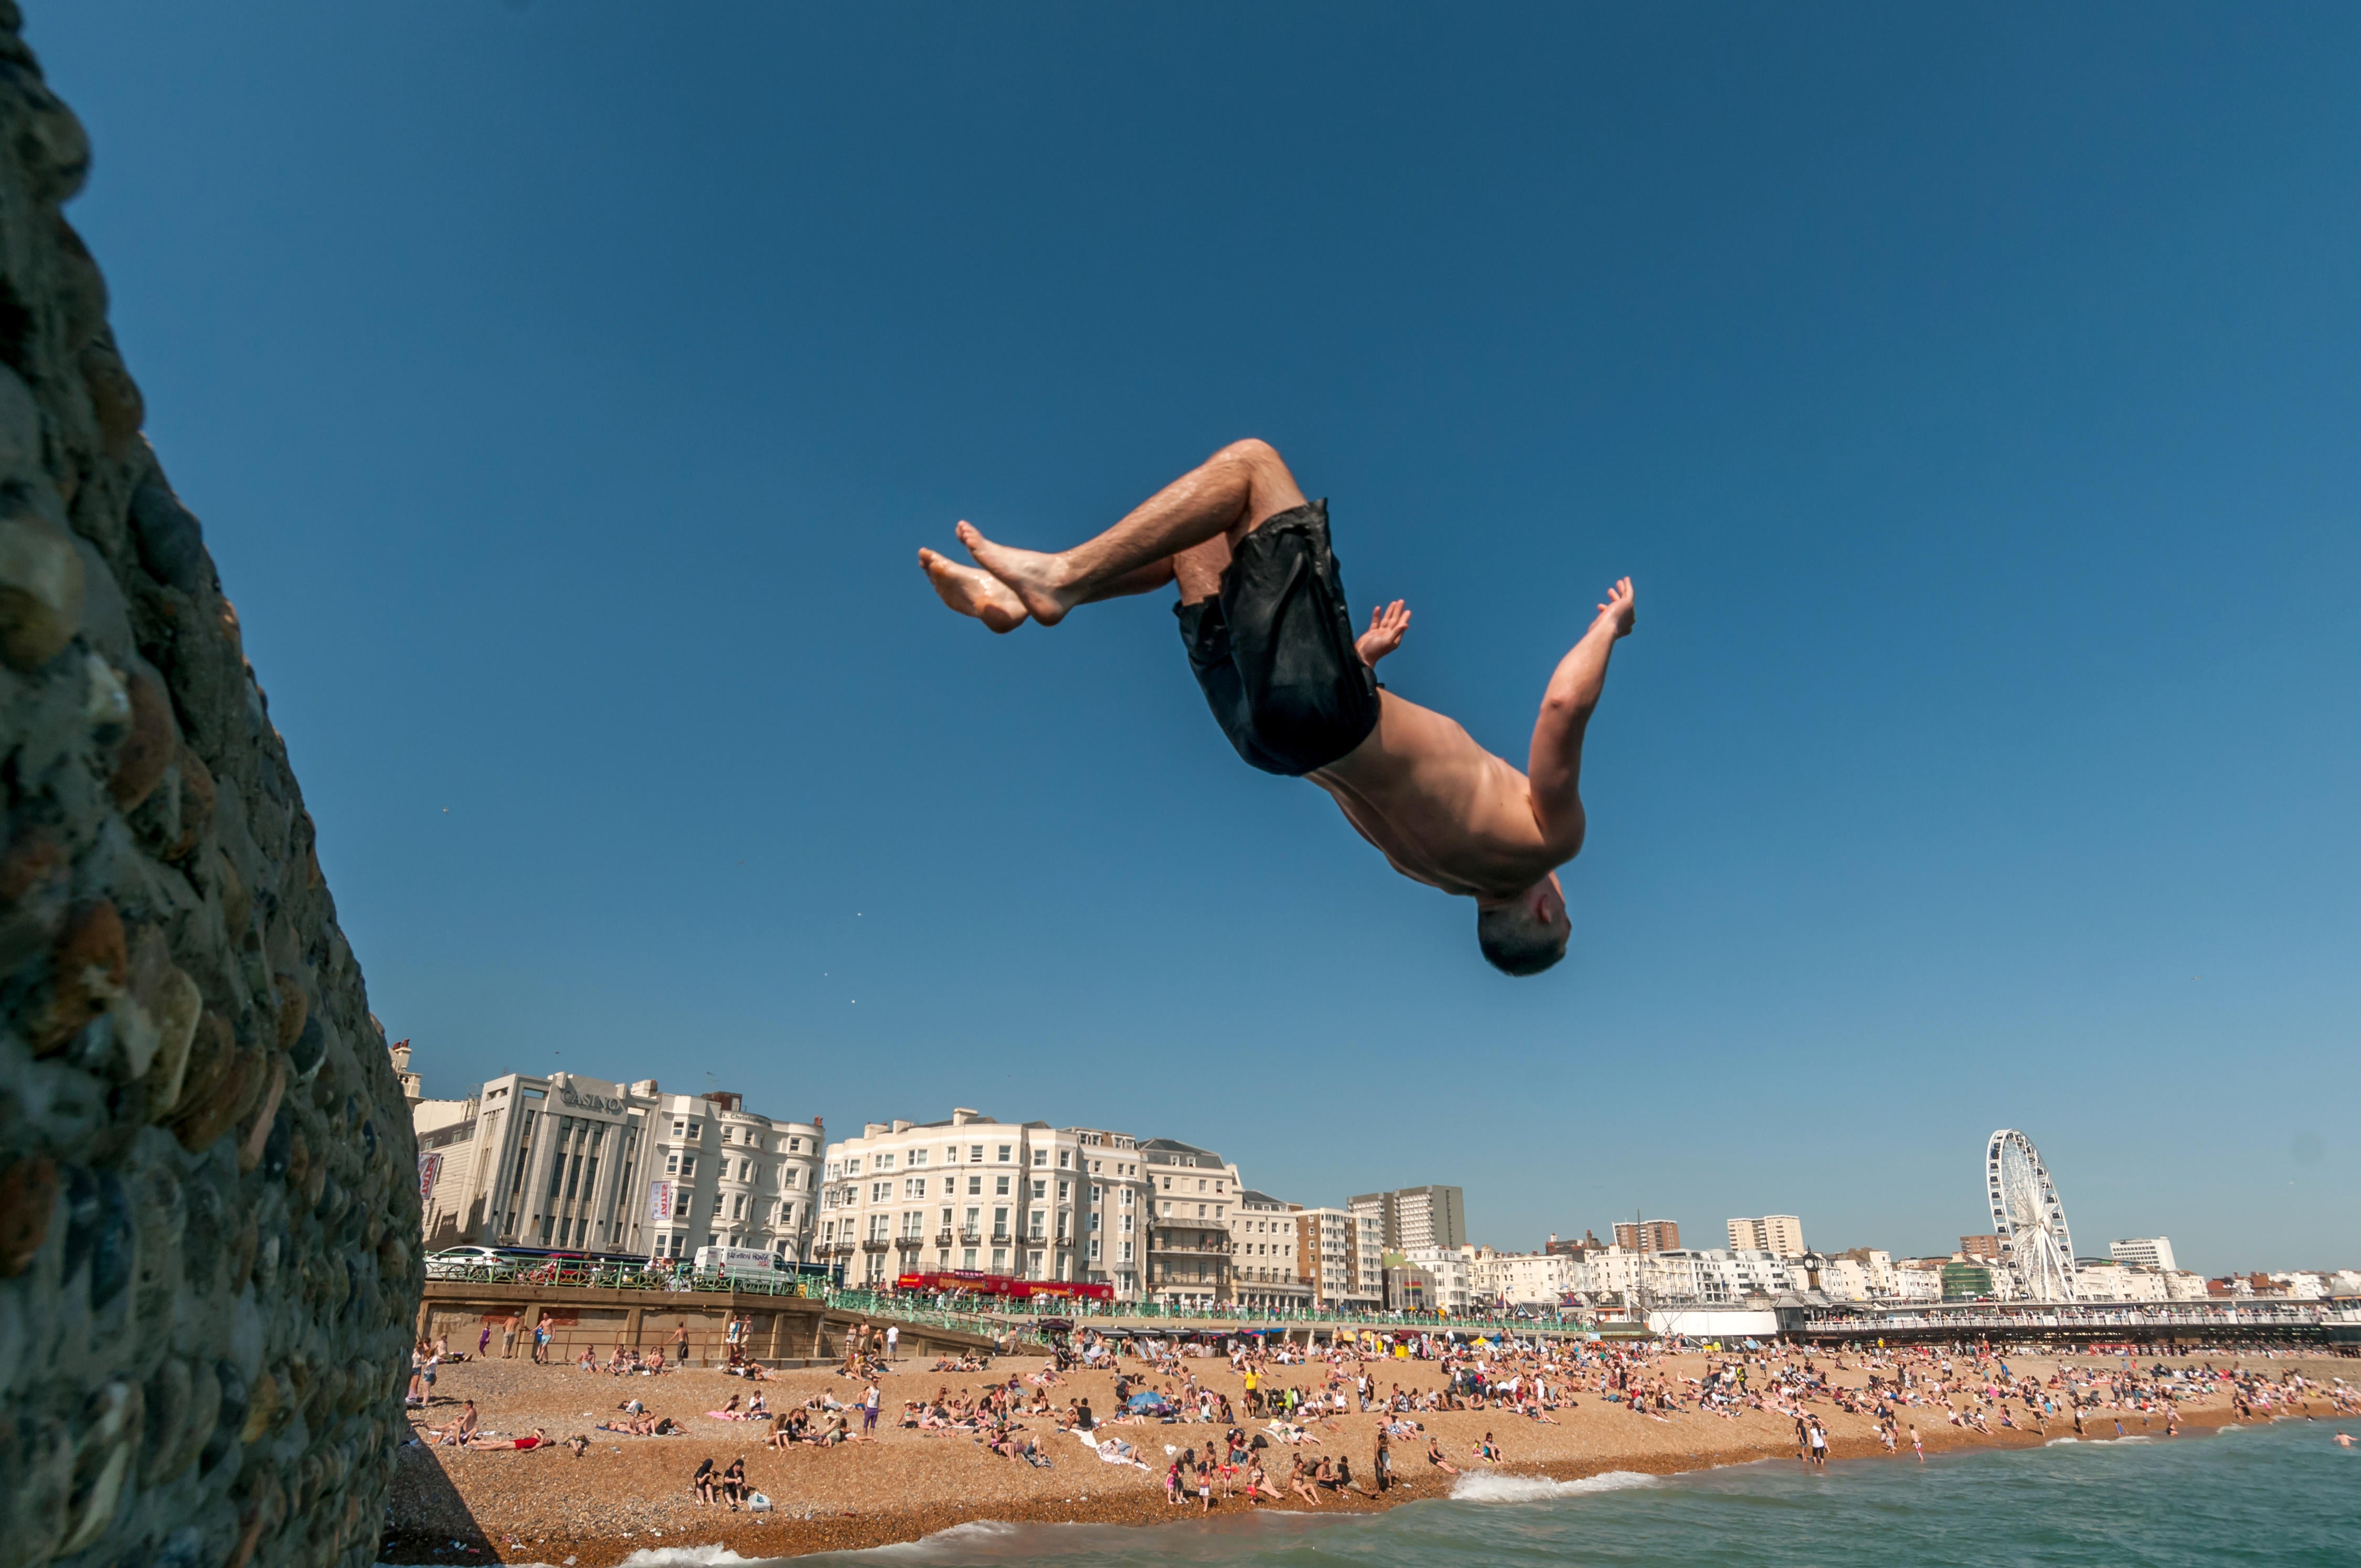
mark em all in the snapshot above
pixel 2028 1218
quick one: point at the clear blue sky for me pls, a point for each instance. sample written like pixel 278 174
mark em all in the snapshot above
pixel 566 390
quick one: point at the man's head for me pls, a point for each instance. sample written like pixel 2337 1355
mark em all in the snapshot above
pixel 1526 934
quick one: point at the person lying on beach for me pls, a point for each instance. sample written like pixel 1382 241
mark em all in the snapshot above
pixel 1264 616
pixel 578 1445
pixel 534 1439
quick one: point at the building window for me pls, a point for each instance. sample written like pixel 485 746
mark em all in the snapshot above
pixel 1000 1187
pixel 672 1163
pixel 1040 1157
pixel 917 1158
pixel 688 1164
pixel 884 1162
pixel 1041 1190
pixel 999 1260
pixel 975 1153
pixel 967 1258
pixel 1007 1152
pixel 1065 1159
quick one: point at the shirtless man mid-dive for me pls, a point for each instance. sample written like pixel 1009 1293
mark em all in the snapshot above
pixel 1270 639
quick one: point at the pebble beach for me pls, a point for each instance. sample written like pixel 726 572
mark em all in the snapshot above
pixel 626 1493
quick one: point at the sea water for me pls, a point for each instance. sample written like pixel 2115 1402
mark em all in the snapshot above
pixel 2269 1494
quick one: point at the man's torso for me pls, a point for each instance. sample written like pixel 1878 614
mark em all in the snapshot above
pixel 1440 807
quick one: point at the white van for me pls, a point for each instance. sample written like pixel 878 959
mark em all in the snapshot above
pixel 455 1263
pixel 729 1260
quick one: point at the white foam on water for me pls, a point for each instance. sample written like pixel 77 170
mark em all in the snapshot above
pixel 1488 1487
pixel 705 1556
pixel 2056 1441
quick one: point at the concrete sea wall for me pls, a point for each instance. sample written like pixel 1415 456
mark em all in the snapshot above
pixel 208 1205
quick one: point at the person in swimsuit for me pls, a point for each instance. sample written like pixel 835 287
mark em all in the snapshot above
pixel 1269 636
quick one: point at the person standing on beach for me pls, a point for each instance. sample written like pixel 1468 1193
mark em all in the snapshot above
pixel 680 1344
pixel 508 1340
pixel 893 1340
pixel 1820 1446
pixel 869 1409
pixel 1916 1447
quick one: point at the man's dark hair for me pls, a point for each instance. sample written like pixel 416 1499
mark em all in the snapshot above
pixel 1513 944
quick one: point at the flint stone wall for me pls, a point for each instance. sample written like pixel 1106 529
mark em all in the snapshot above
pixel 208 1203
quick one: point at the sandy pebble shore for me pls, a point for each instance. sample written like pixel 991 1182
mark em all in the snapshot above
pixel 627 1493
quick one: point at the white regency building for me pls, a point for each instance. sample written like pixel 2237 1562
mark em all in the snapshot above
pixel 1264 1269
pixel 580 1164
pixel 977 1195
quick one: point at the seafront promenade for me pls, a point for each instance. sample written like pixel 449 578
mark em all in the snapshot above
pixel 802 1322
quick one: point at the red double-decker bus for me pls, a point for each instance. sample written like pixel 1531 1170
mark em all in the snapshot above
pixel 975 1283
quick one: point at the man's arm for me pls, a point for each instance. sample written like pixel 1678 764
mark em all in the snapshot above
pixel 1553 768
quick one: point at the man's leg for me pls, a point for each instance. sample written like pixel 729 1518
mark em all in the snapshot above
pixel 1223 499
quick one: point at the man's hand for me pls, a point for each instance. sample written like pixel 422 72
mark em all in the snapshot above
pixel 1387 625
pixel 1619 607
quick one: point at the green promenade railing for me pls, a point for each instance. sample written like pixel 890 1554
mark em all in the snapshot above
pixel 986 1315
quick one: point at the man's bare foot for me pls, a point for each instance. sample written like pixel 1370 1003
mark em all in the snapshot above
pixel 1036 578
pixel 973 592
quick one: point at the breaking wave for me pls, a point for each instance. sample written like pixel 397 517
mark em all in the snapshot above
pixel 1492 1487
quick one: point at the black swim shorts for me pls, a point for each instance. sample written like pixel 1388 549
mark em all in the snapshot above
pixel 1273 650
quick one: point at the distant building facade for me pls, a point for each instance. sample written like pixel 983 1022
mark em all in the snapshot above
pixel 2145 1252
pixel 975 1194
pixel 1648 1235
pixel 1986 1247
pixel 1411 1217
pixel 1525 1278
pixel 580 1164
pixel 1781 1235
pixel 1263 1263
pixel 1342 1252
pixel 1194 1192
